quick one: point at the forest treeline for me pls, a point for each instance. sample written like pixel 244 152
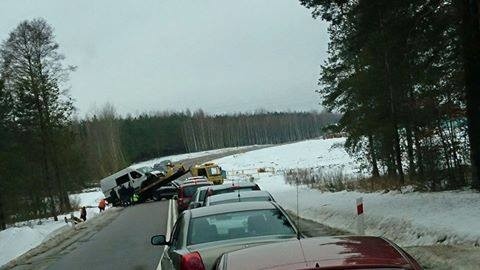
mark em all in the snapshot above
pixel 405 75
pixel 46 152
pixel 201 132
pixel 113 141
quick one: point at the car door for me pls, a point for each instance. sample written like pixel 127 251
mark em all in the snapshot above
pixel 171 258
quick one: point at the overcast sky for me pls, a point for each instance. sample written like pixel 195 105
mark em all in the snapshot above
pixel 221 56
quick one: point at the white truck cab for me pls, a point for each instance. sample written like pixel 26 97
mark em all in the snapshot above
pixel 130 175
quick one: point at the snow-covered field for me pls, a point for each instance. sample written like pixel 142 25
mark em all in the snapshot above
pixel 175 158
pixel 304 154
pixel 409 218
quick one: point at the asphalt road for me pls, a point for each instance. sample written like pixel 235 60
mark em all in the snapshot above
pixel 118 240
pixel 122 244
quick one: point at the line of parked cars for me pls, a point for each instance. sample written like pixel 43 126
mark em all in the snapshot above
pixel 239 226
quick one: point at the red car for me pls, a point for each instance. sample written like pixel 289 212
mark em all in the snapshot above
pixel 186 190
pixel 342 252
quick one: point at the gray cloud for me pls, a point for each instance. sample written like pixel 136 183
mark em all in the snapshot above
pixel 222 56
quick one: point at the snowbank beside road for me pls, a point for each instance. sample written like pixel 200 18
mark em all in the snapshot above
pixel 409 218
pixel 15 241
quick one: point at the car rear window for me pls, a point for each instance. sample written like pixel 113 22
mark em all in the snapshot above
pixel 232 189
pixel 188 191
pixel 241 224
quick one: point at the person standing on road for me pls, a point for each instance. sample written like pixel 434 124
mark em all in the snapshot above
pixel 113 196
pixel 131 191
pixel 102 204
pixel 83 213
pixel 123 195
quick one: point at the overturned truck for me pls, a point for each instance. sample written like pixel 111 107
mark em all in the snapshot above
pixel 143 181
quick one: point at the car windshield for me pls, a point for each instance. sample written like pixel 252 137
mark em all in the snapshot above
pixel 145 169
pixel 215 171
pixel 245 199
pixel 235 225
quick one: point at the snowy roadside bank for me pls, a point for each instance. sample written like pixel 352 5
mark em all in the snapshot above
pixel 38 257
pixel 22 237
pixel 409 219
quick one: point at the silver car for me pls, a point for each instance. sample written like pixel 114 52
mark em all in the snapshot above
pixel 199 199
pixel 239 196
pixel 200 236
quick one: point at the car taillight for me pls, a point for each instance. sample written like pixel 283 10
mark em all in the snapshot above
pixel 192 261
pixel 181 201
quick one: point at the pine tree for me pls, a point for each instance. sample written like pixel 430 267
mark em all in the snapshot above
pixel 33 71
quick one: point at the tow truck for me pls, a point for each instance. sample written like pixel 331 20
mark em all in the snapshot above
pixel 157 180
pixel 211 171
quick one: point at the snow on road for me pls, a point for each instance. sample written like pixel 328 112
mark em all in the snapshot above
pixel 410 218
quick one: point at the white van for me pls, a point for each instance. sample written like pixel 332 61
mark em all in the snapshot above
pixel 134 176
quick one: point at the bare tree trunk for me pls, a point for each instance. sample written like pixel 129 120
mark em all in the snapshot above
pixel 470 31
pixel 48 184
pixel 373 156
pixel 411 157
pixel 3 224
pixel 393 111
pixel 448 159
pixel 419 154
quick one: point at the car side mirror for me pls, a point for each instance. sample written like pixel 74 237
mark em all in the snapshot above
pixel 175 197
pixel 194 205
pixel 159 240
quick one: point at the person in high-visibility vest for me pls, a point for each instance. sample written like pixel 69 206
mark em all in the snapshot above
pixel 135 198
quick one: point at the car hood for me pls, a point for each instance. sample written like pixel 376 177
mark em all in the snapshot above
pixel 320 253
pixel 210 252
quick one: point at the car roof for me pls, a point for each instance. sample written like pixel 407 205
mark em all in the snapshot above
pixel 121 172
pixel 231 207
pixel 194 180
pixel 195 177
pixel 203 188
pixel 324 252
pixel 233 184
pixel 238 194
pixel 196 183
